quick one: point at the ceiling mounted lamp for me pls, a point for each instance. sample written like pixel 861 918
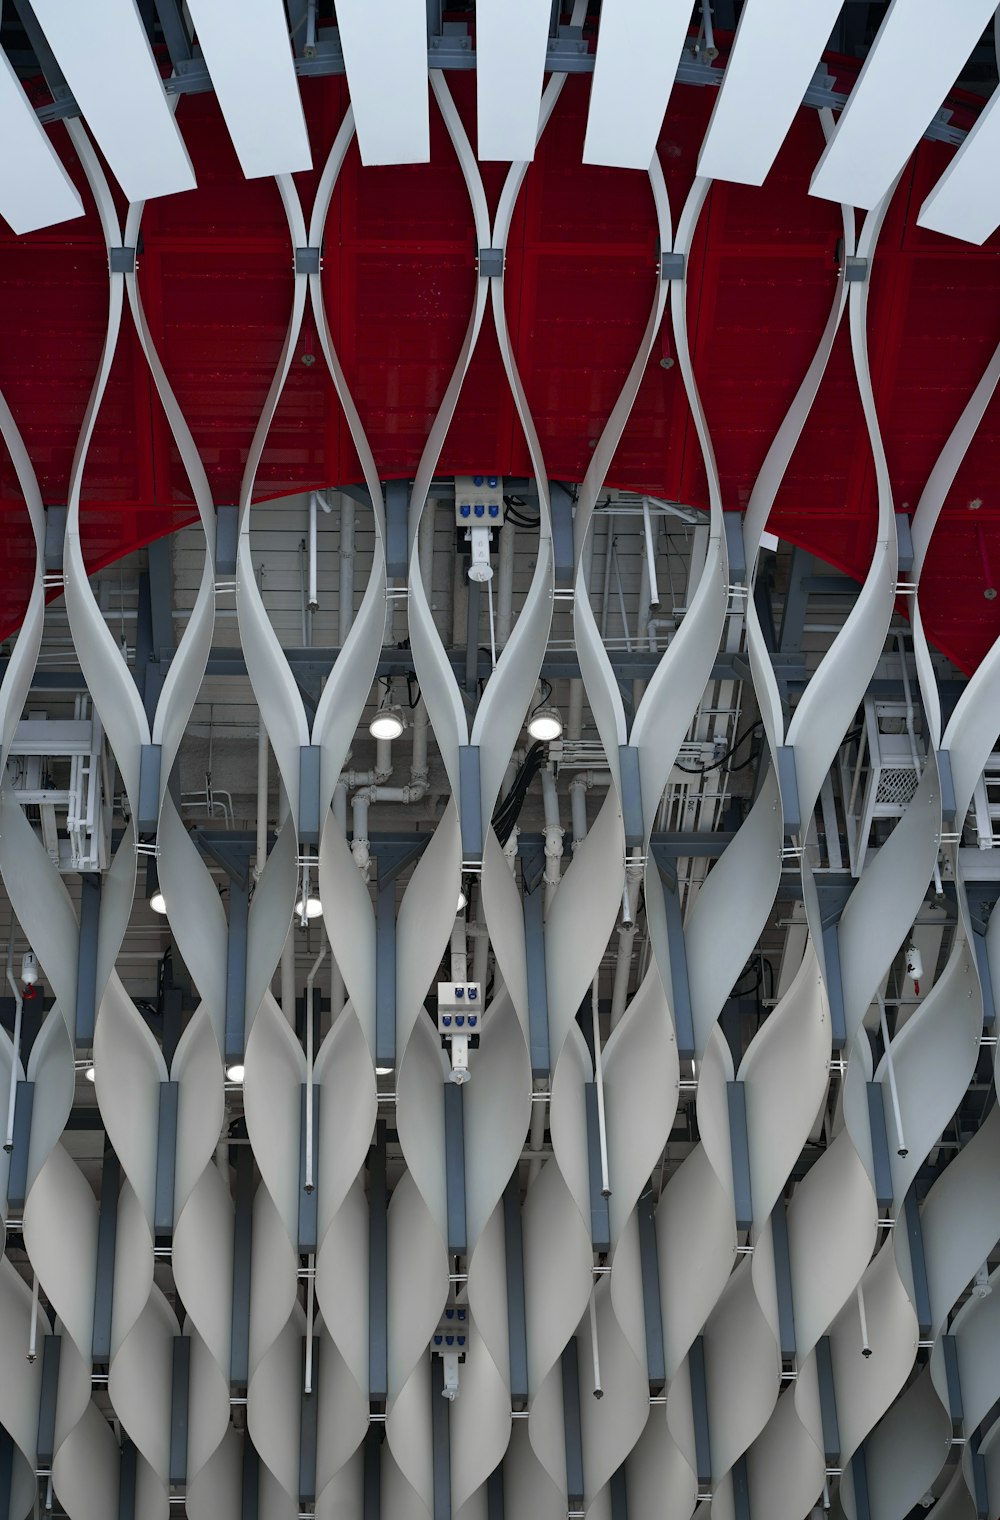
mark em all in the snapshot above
pixel 545 724
pixel 234 1073
pixel 310 907
pixel 88 1072
pixel 389 721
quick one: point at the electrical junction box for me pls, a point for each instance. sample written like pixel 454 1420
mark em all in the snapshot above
pixel 460 1008
pixel 478 501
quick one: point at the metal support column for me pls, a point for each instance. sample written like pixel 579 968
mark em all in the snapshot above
pixel 17 1171
pixel 828 1403
pixel 859 1472
pixel 783 1281
pixel 372 1501
pixel 953 1377
pixel 107 1234
pixel 918 1264
pixel 517 1335
pixel 378 1271
pixel 385 974
pixel 741 1489
pixel 538 997
pixel 309 1429
pixel 619 1494
pixel 236 971
pixel 45 1449
pixel 308 1198
pixel 699 1410
pixel 652 1309
pixel 239 1354
pixel 166 1161
pixel 880 1148
pixel 440 1442
pixel 572 1424
pixel 127 1465
pixel 180 1393
pixel 86 960
pixel 494 1494
pixel 250 1496
pixel 739 1143
pixel 454 1156
pixel 600 1215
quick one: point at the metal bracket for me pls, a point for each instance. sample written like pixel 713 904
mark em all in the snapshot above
pixel 855 269
pixel 308 260
pixel 671 266
pixel 148 810
pixel 55 533
pixel 121 260
pixel 561 506
pixel 397 529
pixel 628 768
pixel 227 534
pixel 491 262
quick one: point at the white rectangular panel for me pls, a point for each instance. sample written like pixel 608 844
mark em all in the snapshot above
pixel 385 53
pixel 35 189
pixel 512 37
pixel 638 48
pixel 102 51
pixel 920 50
pixel 965 202
pixel 778 45
pixel 249 58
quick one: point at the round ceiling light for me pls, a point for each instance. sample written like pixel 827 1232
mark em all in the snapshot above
pixel 545 724
pixel 388 723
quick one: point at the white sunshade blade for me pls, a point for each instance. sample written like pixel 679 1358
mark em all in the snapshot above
pixel 638 48
pixel 778 45
pixel 35 189
pixel 512 37
pixel 249 57
pixel 965 202
pixel 104 56
pixel 385 54
pixel 918 54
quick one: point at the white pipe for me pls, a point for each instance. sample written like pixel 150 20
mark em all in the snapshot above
pixel 312 601
pixel 459 955
pixel 418 760
pixel 383 760
pixel 510 848
pixel 866 1349
pixel 310 1313
pixel 505 584
pixel 578 808
pixel 602 1128
pixel 15 987
pixel 359 844
pixel 262 781
pixel 647 523
pixel 597 1390
pixel 33 1326
pixel 345 605
pixel 626 938
pixel 553 835
pixel 310 1038
pixel 902 1149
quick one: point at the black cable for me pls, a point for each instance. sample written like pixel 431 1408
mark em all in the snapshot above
pixel 700 770
pixel 506 813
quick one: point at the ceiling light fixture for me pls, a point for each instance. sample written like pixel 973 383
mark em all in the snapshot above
pixel 313 907
pixel 388 723
pixel 235 1073
pixel 89 1073
pixel 545 724
pixel 383 1071
pixel 153 890
pixel 462 900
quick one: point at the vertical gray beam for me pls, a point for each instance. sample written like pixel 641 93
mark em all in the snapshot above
pixel 679 984
pixel 308 1201
pixel 174 31
pixel 953 1377
pixel 227 539
pixel 385 975
pixel 788 786
pixel 918 1264
pixel 572 1424
pixel 472 619
pixel 17 1173
pixel 494 1494
pixel 86 960
pixel 619 1494
pixel 236 972
pixel 239 1354
pixel 51 1347
pixel 880 1148
pixel 600 1218
pixel 741 1489
pixel 180 1391
pixel 309 818
pixel 127 1465
pixel 107 1233
pixel 631 796
pixel 793 616
pixel 783 1281
pixel 834 985
pixel 699 1410
pixel 454 1158
pixel 517 1333
pixel 561 504
pixel 736 1094
pixel 652 1309
pixel 373 1475
pixel 980 1483
pixel 828 1402
pixel 6 1472
pixel 986 979
pixel 166 1159
pixel 378 1271
pixel 470 802
pixel 397 529
pixel 250 1496
pixel 538 997
pixel 440 1442
pixel 859 1472
pixel 309 1429
pixel 148 809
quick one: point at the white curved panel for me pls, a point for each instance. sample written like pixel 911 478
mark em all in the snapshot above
pixel 385 51
pixel 35 189
pixel 638 48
